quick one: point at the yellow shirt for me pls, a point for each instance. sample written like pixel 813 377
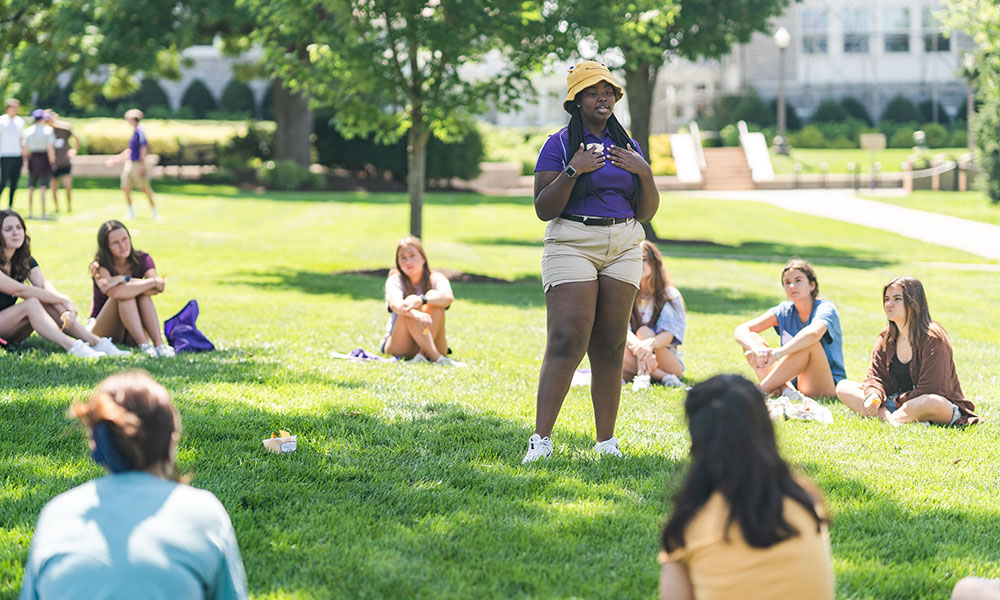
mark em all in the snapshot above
pixel 798 567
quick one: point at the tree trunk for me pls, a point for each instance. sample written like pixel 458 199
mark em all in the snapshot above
pixel 293 126
pixel 416 167
pixel 640 81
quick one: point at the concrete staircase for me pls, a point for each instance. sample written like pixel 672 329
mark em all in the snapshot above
pixel 726 169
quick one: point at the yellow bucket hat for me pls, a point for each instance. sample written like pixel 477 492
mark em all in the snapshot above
pixel 584 75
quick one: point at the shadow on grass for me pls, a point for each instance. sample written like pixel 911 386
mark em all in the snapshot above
pixel 726 301
pixel 526 291
pixel 872 536
pixel 778 253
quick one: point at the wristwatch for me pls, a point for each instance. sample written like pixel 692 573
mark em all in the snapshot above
pixel 570 171
pixel 423 299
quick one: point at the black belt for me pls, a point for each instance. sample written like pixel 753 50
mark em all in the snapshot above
pixel 595 220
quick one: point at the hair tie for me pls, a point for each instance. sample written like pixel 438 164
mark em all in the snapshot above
pixel 105 450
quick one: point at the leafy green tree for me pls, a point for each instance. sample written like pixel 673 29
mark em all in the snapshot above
pixel 199 99
pixel 648 32
pixel 237 99
pixel 981 21
pixel 403 67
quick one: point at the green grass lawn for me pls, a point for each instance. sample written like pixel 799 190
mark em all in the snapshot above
pixel 966 205
pixel 407 479
pixel 837 159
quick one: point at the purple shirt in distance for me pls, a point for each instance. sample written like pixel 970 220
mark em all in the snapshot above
pixel 99 298
pixel 136 143
pixel 613 184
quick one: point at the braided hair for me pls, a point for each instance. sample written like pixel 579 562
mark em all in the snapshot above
pixel 576 136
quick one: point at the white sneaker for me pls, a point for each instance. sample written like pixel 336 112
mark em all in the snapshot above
pixel 538 447
pixel 149 349
pixel 110 349
pixel 640 382
pixel 794 395
pixel 83 350
pixel 608 446
pixel 156 215
pixel 416 360
pixel 449 362
pixel 130 214
pixel 165 351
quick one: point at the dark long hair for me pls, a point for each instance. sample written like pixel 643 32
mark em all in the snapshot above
pixel 733 451
pixel 19 263
pixel 661 284
pixel 425 277
pixel 576 135
pixel 103 258
pixel 918 315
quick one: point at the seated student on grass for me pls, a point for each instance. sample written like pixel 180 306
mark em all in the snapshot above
pixel 743 526
pixel 43 308
pixel 124 283
pixel 416 298
pixel 912 374
pixel 810 357
pixel 657 324
pixel 135 532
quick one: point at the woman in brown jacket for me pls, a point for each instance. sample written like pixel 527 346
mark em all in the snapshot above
pixel 912 375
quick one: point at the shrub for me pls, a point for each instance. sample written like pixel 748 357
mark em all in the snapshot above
pixel 728 110
pixel 958 137
pixel 237 99
pixel 937 135
pixel 901 110
pixel 198 99
pixel 856 110
pixel 288 175
pixel 809 136
pixel 459 158
pixel 986 123
pixel 902 138
pixel 847 129
pixel 926 109
pixel 792 120
pixel 829 111
pixel 149 96
pixel 661 160
pixel 730 135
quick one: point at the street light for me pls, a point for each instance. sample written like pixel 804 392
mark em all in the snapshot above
pixel 969 70
pixel 781 38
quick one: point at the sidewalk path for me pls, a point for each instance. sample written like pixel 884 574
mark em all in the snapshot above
pixel 962 234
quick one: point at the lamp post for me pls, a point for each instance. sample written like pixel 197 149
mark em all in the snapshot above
pixel 781 38
pixel 969 68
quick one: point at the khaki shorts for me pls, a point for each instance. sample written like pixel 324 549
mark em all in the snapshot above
pixel 576 252
pixel 132 178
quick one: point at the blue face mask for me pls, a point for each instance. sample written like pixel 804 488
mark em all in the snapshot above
pixel 105 450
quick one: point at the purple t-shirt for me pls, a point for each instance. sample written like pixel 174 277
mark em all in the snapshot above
pixel 145 264
pixel 136 143
pixel 611 186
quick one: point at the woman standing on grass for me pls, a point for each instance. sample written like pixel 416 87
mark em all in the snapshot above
pixel 135 532
pixel 593 186
pixel 417 299
pixel 124 282
pixel 912 374
pixel 43 308
pixel 742 525
pixel 810 359
pixel 656 327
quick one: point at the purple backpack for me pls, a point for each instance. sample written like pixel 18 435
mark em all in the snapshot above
pixel 182 333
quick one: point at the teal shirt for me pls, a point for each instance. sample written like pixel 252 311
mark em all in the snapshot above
pixel 134 535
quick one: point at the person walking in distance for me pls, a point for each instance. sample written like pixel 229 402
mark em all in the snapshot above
pixel 134 174
pixel 65 151
pixel 40 153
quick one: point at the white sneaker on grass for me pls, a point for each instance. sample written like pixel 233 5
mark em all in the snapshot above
pixel 83 350
pixel 105 346
pixel 608 446
pixel 416 360
pixel 640 382
pixel 130 214
pixel 148 348
pixel 538 447
pixel 156 215
pixel 794 395
pixel 449 362
pixel 165 351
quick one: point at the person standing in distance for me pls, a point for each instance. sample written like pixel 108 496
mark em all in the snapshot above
pixel 134 175
pixel 11 148
pixel 592 186
pixel 63 166
pixel 40 153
